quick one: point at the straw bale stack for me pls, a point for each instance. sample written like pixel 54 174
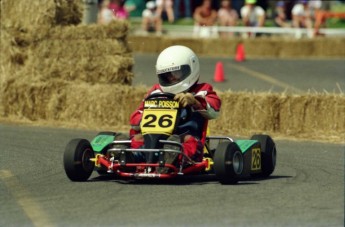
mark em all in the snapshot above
pixel 45 49
pixel 245 111
pixel 93 60
pixel 58 100
pixel 314 115
pixel 29 14
pixel 261 47
pixel 115 30
pixel 109 105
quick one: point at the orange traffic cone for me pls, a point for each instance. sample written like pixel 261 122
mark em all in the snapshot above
pixel 219 72
pixel 240 55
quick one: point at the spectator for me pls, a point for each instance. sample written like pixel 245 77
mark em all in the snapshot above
pixel 252 15
pixel 151 21
pixel 204 18
pixel 120 12
pixel 187 9
pixel 165 6
pixel 105 15
pixel 301 15
pixel 280 18
pixel 227 16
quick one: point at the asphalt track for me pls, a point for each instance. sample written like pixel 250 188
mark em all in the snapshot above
pixel 292 76
pixel 306 189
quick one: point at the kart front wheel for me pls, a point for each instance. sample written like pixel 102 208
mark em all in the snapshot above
pixel 228 162
pixel 77 164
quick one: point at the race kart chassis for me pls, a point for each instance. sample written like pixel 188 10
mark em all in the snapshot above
pixel 147 170
pixel 162 119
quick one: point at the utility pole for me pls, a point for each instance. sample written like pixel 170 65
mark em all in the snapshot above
pixel 90 11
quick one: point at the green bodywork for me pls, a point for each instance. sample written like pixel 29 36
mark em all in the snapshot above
pixel 101 141
pixel 244 145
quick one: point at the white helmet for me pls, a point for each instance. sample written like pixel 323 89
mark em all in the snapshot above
pixel 177 69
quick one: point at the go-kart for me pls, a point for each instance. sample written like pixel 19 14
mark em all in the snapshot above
pixel 110 153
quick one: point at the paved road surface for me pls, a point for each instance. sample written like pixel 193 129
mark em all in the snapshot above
pixel 307 189
pixel 275 75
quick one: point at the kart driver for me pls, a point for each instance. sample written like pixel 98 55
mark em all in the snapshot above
pixel 178 72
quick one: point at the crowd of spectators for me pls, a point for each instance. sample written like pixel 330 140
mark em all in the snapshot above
pixel 206 15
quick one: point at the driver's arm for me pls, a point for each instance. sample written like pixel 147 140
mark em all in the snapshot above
pixel 205 101
pixel 210 104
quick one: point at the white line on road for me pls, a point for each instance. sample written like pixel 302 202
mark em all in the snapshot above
pixel 265 77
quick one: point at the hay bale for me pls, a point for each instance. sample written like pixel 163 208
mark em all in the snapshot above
pixel 145 44
pixel 194 43
pixel 33 101
pixel 311 115
pixel 314 113
pixel 76 48
pixel 75 59
pixel 69 102
pixel 331 47
pixel 100 104
pixel 220 47
pixel 243 112
pixel 260 47
pixel 115 30
pixel 98 69
pixel 29 14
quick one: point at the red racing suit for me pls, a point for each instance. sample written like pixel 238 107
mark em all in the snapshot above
pixel 211 104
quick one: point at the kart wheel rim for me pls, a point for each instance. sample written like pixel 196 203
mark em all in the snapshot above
pixel 237 161
pixel 86 163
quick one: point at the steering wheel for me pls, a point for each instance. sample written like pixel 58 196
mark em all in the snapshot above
pixel 161 95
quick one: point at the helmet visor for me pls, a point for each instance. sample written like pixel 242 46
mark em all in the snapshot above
pixel 174 75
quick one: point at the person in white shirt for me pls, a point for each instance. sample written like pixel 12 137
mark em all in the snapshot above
pixel 151 20
pixel 302 15
pixel 252 15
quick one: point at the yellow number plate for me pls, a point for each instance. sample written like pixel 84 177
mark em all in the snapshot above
pixel 158 121
pixel 256 158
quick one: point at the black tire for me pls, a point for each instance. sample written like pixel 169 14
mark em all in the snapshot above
pixel 228 162
pixel 268 154
pixel 77 164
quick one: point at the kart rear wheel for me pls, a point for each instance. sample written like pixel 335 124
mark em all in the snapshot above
pixel 228 162
pixel 268 154
pixel 77 164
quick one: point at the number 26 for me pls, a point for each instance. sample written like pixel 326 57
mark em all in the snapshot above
pixel 164 121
